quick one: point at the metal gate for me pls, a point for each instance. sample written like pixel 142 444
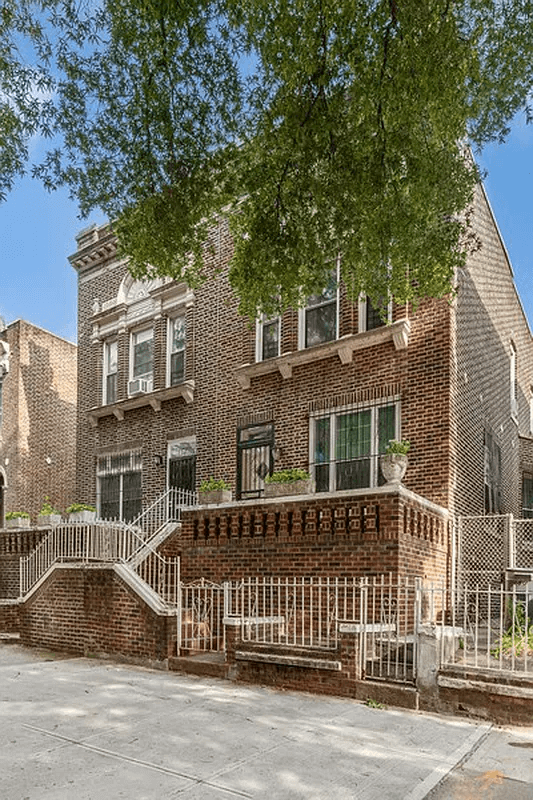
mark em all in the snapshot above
pixel 200 618
pixel 255 460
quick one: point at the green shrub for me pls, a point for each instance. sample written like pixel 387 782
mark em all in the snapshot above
pixel 17 515
pixel 213 485
pixel 398 447
pixel 47 508
pixel 288 476
pixel 75 507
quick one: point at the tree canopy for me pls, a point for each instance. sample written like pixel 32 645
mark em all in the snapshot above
pixel 323 130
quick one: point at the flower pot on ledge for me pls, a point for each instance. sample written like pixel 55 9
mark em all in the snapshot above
pixel 82 516
pixel 393 467
pixel 289 489
pixel 48 520
pixel 215 496
pixel 18 522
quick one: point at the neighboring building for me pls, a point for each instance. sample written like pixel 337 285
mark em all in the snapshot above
pixel 37 419
pixel 176 386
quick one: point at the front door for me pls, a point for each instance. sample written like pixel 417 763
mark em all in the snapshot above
pixel 255 446
pixel 182 464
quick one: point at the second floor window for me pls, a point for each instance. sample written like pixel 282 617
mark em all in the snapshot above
pixel 318 320
pixel 110 372
pixel 268 338
pixel 370 316
pixel 177 350
pixel 141 360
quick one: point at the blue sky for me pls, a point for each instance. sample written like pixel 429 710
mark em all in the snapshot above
pixel 37 233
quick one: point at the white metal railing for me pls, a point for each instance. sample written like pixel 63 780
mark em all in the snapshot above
pixel 491 628
pixel 306 612
pixel 162 575
pixel 167 508
pixel 200 617
pixel 100 541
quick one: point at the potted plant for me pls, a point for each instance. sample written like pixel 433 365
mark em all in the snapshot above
pixel 394 461
pixel 48 515
pixel 81 512
pixel 17 519
pixel 214 490
pixel 288 482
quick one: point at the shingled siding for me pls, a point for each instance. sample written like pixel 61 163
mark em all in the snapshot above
pixel 333 536
pixel 488 320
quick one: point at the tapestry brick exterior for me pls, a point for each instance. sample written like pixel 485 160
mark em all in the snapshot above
pixel 38 427
pixel 335 536
pixel 91 611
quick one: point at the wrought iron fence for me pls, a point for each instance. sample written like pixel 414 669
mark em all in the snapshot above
pixel 200 617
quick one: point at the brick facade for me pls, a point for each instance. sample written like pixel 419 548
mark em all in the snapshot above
pixel 451 378
pixel 38 427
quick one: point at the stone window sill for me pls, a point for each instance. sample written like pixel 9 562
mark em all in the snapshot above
pixel 397 332
pixel 153 399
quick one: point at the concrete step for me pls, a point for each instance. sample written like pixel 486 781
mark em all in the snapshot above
pixel 9 638
pixel 207 665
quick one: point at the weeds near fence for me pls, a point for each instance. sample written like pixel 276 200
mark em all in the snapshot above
pixel 519 635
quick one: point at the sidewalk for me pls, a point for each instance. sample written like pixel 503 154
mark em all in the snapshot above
pixel 86 729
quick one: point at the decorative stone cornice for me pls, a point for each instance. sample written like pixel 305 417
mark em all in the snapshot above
pixel 344 348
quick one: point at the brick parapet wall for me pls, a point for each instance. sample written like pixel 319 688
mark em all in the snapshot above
pixel 9 617
pixel 90 610
pixel 13 545
pixel 328 535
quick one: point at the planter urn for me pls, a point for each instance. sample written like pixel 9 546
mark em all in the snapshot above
pixel 82 516
pixel 393 467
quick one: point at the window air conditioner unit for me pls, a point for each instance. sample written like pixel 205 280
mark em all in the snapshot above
pixel 139 386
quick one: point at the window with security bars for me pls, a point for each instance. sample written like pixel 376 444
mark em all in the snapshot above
pixel 318 320
pixel 119 485
pixel 346 445
pixel 177 350
pixel 527 496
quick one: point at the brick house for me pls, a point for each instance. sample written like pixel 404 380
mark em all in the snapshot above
pixel 37 418
pixel 174 386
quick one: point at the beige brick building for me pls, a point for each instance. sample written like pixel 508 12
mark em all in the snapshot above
pixel 38 418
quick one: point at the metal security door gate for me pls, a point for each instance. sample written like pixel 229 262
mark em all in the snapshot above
pixel 255 446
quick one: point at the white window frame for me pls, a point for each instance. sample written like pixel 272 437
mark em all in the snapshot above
pixel 332 415
pixel 362 309
pixel 148 376
pixel 106 373
pixel 170 338
pixel 302 315
pixel 259 326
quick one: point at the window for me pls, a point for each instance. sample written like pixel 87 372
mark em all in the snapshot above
pixel 513 380
pixel 110 372
pixel 141 361
pixel 118 482
pixel 527 495
pixel 319 319
pixel 492 473
pixel 177 333
pixel 346 444
pixel 267 338
pixel 371 317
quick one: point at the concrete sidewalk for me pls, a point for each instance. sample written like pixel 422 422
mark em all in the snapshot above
pixel 81 728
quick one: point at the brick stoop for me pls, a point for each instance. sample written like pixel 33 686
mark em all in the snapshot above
pixel 206 665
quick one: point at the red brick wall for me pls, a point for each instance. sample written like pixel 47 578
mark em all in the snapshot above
pixel 331 536
pixel 39 419
pixel 13 545
pixel 9 617
pixel 92 611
